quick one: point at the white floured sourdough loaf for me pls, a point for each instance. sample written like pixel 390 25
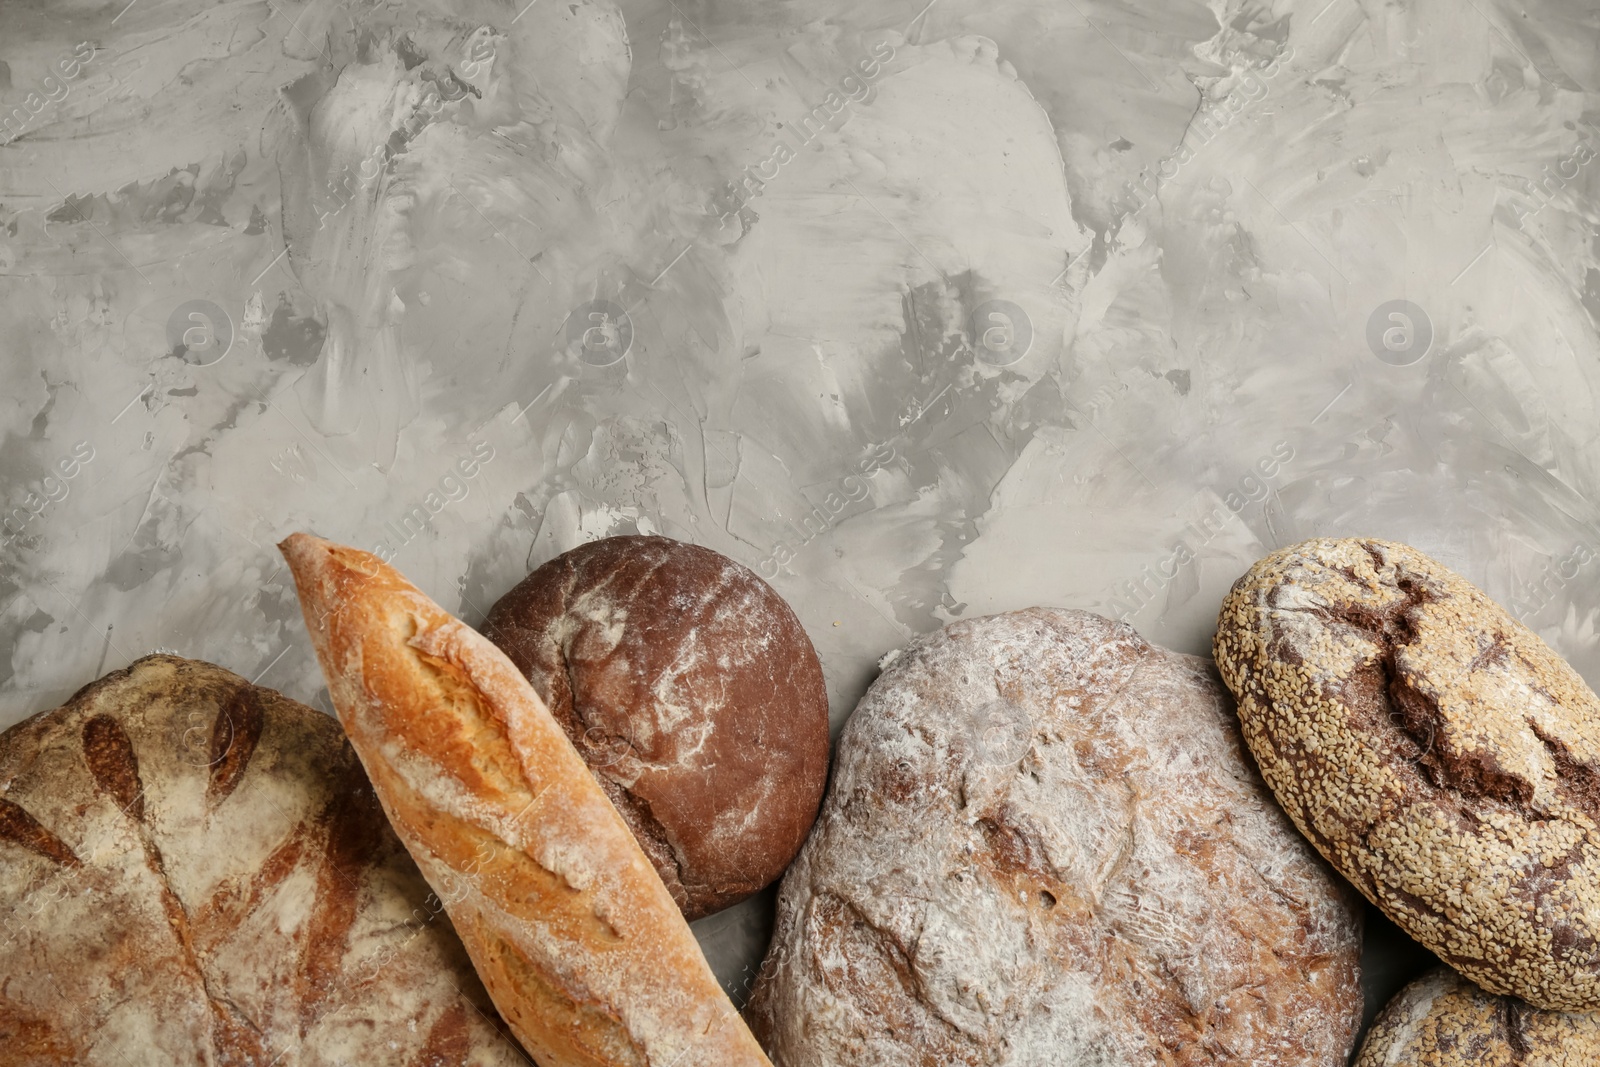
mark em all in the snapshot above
pixel 194 870
pixel 1044 846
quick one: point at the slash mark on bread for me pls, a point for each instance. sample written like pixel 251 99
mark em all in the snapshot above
pixel 235 733
pixel 21 828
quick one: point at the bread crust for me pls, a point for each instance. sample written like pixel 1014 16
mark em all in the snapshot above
pixel 1043 844
pixel 194 870
pixel 1435 751
pixel 694 694
pixel 577 940
pixel 1443 1020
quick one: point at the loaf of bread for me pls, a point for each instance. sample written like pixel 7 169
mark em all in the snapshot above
pixel 1438 753
pixel 577 940
pixel 693 693
pixel 194 870
pixel 1443 1020
pixel 1044 845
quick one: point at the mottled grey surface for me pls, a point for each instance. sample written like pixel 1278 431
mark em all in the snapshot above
pixel 921 313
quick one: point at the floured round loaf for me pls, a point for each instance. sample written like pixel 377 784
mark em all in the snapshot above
pixel 693 693
pixel 1443 1020
pixel 1438 753
pixel 1044 846
pixel 194 870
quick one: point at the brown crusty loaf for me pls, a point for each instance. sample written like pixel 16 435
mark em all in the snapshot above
pixel 576 939
pixel 693 693
pixel 1044 845
pixel 1443 1020
pixel 194 870
pixel 1438 753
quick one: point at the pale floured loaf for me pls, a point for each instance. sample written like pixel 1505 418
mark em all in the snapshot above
pixel 1044 845
pixel 575 937
pixel 1435 750
pixel 194 870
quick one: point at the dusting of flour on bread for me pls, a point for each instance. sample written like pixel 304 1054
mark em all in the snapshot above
pixel 1043 845
pixel 692 692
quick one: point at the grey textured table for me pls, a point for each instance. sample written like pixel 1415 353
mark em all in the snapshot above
pixel 923 314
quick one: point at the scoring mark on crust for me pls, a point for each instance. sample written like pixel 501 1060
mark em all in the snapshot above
pixel 448 1041
pixel 112 763
pixel 21 828
pixel 234 735
pixel 353 825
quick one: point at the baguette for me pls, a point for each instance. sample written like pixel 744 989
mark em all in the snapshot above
pixel 577 940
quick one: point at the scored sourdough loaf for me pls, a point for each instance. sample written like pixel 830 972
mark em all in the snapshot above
pixel 194 870
pixel 577 940
pixel 1443 1020
pixel 1043 844
pixel 1435 750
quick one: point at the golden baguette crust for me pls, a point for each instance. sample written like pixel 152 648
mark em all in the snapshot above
pixel 576 938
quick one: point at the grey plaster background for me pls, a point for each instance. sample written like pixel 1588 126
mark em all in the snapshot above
pixel 922 311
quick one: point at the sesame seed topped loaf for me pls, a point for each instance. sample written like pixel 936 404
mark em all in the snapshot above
pixel 195 870
pixel 1443 1020
pixel 1435 750
pixel 1044 846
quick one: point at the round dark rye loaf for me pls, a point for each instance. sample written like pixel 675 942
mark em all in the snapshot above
pixel 1443 1020
pixel 1044 845
pixel 194 870
pixel 1438 753
pixel 693 693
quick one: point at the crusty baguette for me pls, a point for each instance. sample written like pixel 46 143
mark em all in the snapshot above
pixel 576 938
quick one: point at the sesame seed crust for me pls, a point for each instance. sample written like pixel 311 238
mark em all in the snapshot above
pixel 1439 754
pixel 1443 1020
